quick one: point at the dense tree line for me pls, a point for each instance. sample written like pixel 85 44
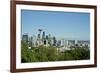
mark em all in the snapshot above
pixel 44 54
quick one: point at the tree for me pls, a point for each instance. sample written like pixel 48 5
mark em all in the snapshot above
pixel 50 53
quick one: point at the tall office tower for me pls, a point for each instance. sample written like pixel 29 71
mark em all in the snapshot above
pixel 46 37
pixel 62 42
pixel 38 36
pixel 54 41
pixel 46 40
pixel 38 40
pixel 30 41
pixel 43 35
pixel 58 43
pixel 34 40
pixel 43 38
pixel 76 43
pixel 66 43
pixel 49 39
pixel 25 37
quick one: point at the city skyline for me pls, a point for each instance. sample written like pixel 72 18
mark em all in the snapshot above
pixel 69 25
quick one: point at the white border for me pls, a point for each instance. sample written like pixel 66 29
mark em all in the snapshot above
pixel 20 65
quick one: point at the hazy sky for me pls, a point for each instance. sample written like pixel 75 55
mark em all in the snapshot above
pixel 69 25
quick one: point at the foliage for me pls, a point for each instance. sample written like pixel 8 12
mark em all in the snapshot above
pixel 44 54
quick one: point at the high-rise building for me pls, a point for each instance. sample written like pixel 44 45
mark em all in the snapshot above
pixel 49 39
pixel 58 43
pixel 38 36
pixel 54 41
pixel 43 35
pixel 25 37
pixel 34 40
pixel 62 42
pixel 30 41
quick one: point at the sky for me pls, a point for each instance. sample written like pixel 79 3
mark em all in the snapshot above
pixel 62 25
